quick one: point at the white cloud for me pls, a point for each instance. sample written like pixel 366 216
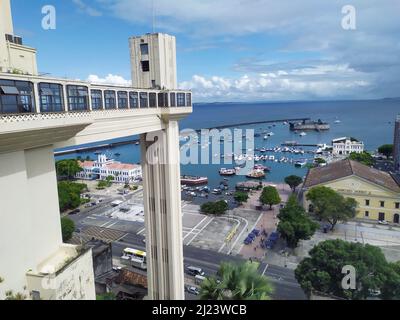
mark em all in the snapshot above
pixel 84 8
pixel 308 83
pixel 109 79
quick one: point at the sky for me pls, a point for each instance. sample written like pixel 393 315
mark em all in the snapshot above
pixel 228 50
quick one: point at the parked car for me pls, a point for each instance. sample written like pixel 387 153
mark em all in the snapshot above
pixel 76 211
pixel 383 222
pixel 195 271
pixel 193 290
pixel 256 232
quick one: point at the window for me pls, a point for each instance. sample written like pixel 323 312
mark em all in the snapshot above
pixel 381 216
pixel 367 202
pixel 16 97
pixel 123 100
pixel 153 83
pixel 163 100
pixel 133 99
pixel 144 48
pixel 77 98
pixel 188 99
pixel 144 103
pixel 382 204
pixel 153 100
pixel 173 99
pixel 109 99
pixel 366 214
pixel 145 66
pixel 181 99
pixel 97 99
pixel 397 205
pixel 51 97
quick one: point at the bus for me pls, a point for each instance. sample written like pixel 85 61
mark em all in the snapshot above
pixel 134 258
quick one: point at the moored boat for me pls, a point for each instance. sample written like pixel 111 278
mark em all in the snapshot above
pixel 227 172
pixel 256 174
pixel 193 180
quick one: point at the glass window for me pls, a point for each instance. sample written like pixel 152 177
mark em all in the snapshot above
pixel 367 202
pixel 144 103
pixel 173 99
pixel 16 96
pixel 367 214
pixel 188 99
pixel 97 99
pixel 144 48
pixel 145 66
pixel 397 205
pixel 153 100
pixel 382 204
pixel 133 100
pixel 123 100
pixel 51 97
pixel 110 100
pixel 181 100
pixel 77 98
pixel 162 100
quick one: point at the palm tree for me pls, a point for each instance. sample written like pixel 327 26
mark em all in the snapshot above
pixel 238 282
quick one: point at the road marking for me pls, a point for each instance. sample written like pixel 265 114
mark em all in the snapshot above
pixel 201 230
pixel 195 228
pixel 240 235
pixel 237 226
pixel 266 267
pixel 141 231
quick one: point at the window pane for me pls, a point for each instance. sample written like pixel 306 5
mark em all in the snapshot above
pixel 173 101
pixel 110 100
pixel 16 96
pixel 152 100
pixel 77 98
pixel 51 97
pixel 133 100
pixel 123 100
pixel 144 48
pixel 97 100
pixel 144 100
pixel 181 100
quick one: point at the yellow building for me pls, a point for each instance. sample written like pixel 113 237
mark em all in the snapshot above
pixel 377 192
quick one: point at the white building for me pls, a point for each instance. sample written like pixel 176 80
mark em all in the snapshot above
pixel 345 146
pixel 103 168
pixel 152 67
pixel 39 114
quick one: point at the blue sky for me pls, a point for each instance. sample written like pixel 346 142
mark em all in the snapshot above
pixel 228 50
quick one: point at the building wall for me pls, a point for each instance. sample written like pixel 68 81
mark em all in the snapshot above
pixel 162 61
pixel 347 147
pixel 396 151
pixel 360 190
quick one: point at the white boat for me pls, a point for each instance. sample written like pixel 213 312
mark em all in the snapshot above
pixel 338 121
pixel 300 163
pixel 302 134
pixel 265 137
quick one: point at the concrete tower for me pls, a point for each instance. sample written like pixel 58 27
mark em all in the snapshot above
pixel 14 56
pixel 153 61
pixel 396 145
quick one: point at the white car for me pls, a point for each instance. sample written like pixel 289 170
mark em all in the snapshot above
pixel 383 222
pixel 193 290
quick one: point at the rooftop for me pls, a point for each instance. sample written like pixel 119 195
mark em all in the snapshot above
pixel 346 168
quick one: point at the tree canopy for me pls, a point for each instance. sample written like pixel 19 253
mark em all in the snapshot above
pixel 364 158
pixel 237 282
pixel 67 169
pixel 293 182
pixel 67 228
pixel 270 196
pixel 241 197
pixel 69 194
pixel 218 207
pixel 386 150
pixel 322 270
pixel 294 223
pixel 331 206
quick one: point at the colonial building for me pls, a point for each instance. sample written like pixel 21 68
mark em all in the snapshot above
pixel 345 146
pixel 103 168
pixel 376 192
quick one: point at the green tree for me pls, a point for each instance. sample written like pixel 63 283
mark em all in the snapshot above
pixel 386 150
pixel 217 208
pixel 67 169
pixel 391 289
pixel 270 196
pixel 293 182
pixel 106 296
pixel 237 282
pixel 294 224
pixel 331 206
pixel 364 158
pixel 67 228
pixel 322 270
pixel 69 194
pixel 241 197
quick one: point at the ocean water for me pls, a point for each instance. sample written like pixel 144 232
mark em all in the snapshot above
pixel 370 121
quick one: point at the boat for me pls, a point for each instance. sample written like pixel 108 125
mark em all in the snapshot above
pixel 227 172
pixel 337 121
pixel 193 180
pixel 263 150
pixel 261 167
pixel 117 154
pixel 300 163
pixel 256 174
pixel 302 134
pixel 265 137
pixel 270 134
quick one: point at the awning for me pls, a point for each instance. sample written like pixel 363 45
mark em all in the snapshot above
pixel 9 90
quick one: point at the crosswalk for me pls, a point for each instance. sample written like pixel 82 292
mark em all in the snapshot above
pixel 104 234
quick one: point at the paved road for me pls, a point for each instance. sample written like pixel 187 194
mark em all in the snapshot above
pixel 286 286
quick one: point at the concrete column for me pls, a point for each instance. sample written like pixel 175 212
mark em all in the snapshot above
pixel 163 218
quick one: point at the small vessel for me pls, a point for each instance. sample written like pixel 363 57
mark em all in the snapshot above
pixel 266 137
pixel 117 154
pixel 270 134
pixel 261 167
pixel 193 180
pixel 137 143
pixel 227 172
pixel 302 134
pixel 256 174
pixel 300 163
pixel 337 121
